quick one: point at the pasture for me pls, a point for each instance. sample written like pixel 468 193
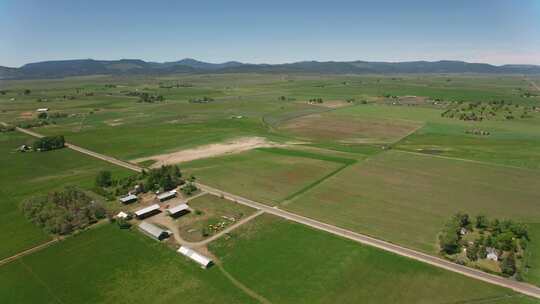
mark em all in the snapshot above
pixel 32 173
pixel 109 265
pixel 406 198
pixel 322 268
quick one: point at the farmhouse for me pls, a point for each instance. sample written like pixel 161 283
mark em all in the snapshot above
pixel 195 256
pixel 492 254
pixel 154 231
pixel 42 110
pixel 166 195
pixel 148 211
pixel 128 199
pixel 178 210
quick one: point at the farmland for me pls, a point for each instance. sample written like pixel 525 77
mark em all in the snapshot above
pixel 321 268
pixel 25 175
pixel 371 154
pixel 108 265
pixel 420 192
pixel 263 174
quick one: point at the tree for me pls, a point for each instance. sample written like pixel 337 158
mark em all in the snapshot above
pixel 508 265
pixel 482 222
pixel 472 252
pixel 104 179
pixel 27 92
pixel 49 143
pixel 449 238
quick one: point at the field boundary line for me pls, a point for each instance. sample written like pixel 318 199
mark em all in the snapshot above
pixel 465 160
pixel 520 287
pixel 242 287
pixel 32 273
pixel 286 201
pixel 28 251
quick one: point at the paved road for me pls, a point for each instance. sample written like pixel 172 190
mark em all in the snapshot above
pixel 523 288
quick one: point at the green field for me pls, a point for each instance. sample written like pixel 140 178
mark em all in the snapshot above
pixel 406 198
pixel 29 174
pixel 267 175
pixel 109 265
pixel 290 263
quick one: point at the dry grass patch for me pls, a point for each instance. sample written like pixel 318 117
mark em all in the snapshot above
pixel 347 128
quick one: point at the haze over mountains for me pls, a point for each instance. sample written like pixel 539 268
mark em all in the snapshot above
pixel 81 67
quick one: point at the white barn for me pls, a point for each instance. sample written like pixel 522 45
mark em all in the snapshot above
pixel 200 259
pixel 150 210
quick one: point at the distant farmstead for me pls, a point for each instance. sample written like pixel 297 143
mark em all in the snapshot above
pixel 154 231
pixel 200 259
pixel 148 211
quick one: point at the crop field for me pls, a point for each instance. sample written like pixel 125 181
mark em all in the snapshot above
pixel 266 175
pixel 109 265
pixel 321 268
pixel 209 210
pixel 406 198
pixel 29 174
pixel 347 128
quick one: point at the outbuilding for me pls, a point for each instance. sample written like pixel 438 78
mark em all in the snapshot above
pixel 154 231
pixel 166 195
pixel 128 199
pixel 42 110
pixel 200 259
pixel 178 210
pixel 147 211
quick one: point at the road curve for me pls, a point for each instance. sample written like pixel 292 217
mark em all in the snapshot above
pixel 520 287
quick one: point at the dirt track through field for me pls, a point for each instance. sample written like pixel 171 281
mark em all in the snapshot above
pixel 234 146
pixel 520 287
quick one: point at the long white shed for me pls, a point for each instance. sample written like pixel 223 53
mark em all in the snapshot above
pixel 195 256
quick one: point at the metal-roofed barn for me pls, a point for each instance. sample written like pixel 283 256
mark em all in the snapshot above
pixel 178 210
pixel 200 259
pixel 147 211
pixel 153 231
pixel 166 195
pixel 128 199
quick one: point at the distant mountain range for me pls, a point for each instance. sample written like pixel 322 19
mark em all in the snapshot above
pixel 81 67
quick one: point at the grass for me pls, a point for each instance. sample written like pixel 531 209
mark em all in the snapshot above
pixel 532 274
pixel 262 174
pixel 406 198
pixel 109 265
pixel 289 263
pixel 212 211
pixel 29 174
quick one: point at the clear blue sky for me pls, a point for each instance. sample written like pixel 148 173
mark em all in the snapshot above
pixel 274 31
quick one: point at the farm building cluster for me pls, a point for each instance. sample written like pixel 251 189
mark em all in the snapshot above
pixel 156 231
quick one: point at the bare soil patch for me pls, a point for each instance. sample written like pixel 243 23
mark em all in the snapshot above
pixel 234 146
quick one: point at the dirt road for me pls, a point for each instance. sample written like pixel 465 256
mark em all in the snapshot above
pixel 523 288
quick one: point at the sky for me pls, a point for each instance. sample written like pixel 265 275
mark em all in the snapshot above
pixel 276 31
